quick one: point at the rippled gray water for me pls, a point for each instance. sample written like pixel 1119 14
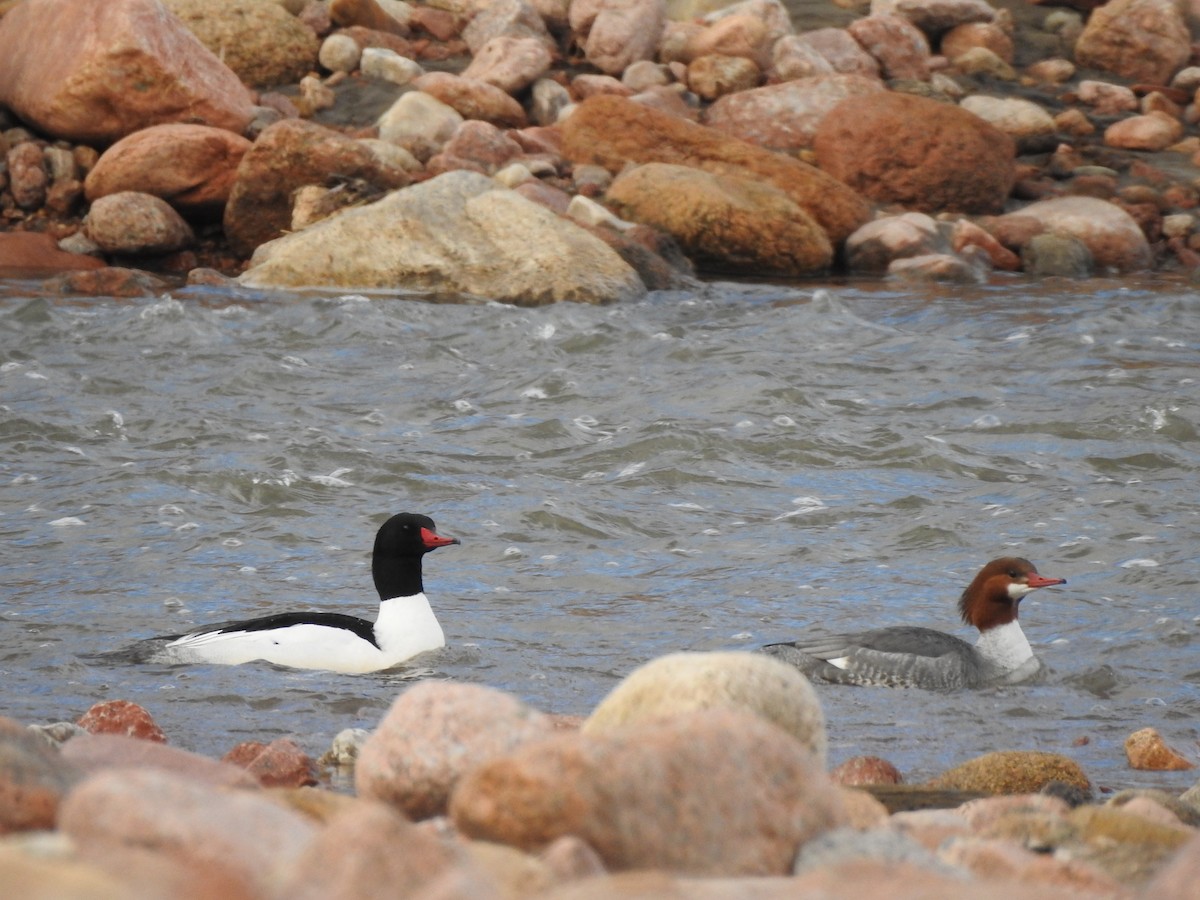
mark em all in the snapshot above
pixel 696 471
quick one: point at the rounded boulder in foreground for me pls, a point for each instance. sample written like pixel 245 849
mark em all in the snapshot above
pixel 926 155
pixel 432 735
pixel 716 792
pixel 683 683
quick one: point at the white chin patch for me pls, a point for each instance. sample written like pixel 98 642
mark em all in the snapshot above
pixel 1016 590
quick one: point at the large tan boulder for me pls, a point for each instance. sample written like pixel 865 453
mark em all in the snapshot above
pixel 925 155
pixel 1143 40
pixel 95 72
pixel 260 40
pixel 192 167
pixel 459 233
pixel 724 223
pixel 612 131
pixel 289 155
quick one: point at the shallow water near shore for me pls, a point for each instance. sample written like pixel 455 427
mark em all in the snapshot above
pixel 706 470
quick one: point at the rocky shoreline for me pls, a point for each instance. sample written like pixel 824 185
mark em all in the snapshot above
pixel 531 151
pixel 700 775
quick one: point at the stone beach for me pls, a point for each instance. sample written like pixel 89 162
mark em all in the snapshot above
pixel 536 151
pixel 699 775
pixel 532 152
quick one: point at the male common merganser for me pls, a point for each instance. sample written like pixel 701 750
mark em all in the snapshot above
pixel 921 657
pixel 405 626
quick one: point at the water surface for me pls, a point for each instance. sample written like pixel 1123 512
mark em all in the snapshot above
pixel 703 470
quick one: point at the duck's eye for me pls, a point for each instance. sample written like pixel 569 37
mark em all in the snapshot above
pixel 1013 574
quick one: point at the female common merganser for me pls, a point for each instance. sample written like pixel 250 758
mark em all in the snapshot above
pixel 405 626
pixel 921 657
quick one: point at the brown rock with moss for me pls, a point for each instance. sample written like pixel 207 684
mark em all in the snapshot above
pixel 926 155
pixel 723 222
pixel 260 41
pixel 612 131
pixel 1013 772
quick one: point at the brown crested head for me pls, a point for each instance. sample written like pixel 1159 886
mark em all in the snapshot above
pixel 993 597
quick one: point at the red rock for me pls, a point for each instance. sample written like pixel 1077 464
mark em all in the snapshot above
pixel 616 33
pixel 483 144
pixel 433 734
pixel 899 46
pixel 29 253
pixel 95 752
pixel 1146 749
pixel 1143 40
pixel 612 131
pixel 287 156
pixel 785 117
pixel 926 155
pixel 121 717
pixel 33 779
pixel 437 23
pixel 473 99
pixel 858 770
pixel 511 64
pixel 280 763
pixel 94 72
pixel 967 234
pixel 192 167
pixel 717 792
